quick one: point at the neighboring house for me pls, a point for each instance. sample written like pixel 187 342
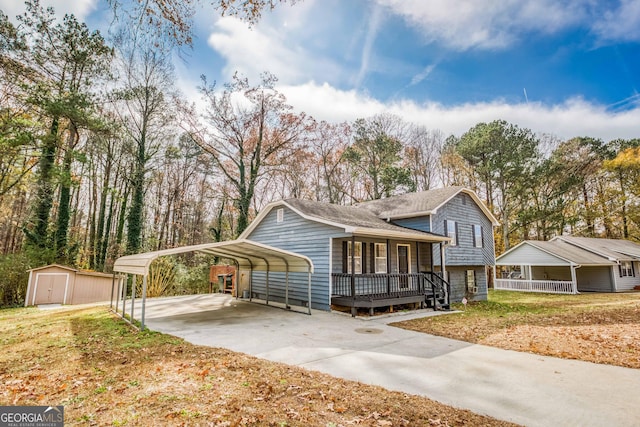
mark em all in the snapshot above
pixel 58 284
pixel 384 252
pixel 568 264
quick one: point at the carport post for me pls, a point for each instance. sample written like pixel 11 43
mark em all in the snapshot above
pixel 124 294
pixel 113 285
pixel 144 301
pixel 266 284
pixel 133 296
pixel 309 291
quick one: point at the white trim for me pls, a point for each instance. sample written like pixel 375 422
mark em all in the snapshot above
pixel 408 246
pixel 66 286
pixel 375 258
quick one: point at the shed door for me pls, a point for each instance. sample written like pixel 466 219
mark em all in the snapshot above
pixel 50 288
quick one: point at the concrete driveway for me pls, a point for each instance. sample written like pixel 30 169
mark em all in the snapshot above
pixel 519 387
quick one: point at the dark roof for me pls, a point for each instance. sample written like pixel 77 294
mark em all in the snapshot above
pixel 350 216
pixel 615 249
pixel 410 203
pixel 569 252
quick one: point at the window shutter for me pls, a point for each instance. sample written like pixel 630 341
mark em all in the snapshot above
pixel 633 269
pixel 473 232
pixel 457 241
pixel 620 269
pixel 344 257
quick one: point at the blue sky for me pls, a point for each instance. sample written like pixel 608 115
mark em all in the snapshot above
pixel 564 68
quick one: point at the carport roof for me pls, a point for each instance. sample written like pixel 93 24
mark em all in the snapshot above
pixel 248 255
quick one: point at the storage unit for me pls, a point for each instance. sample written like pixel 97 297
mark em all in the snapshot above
pixel 59 284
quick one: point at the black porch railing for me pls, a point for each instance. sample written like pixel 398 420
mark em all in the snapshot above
pixel 383 286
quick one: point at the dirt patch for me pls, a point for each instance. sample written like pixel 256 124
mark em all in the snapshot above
pixel 594 328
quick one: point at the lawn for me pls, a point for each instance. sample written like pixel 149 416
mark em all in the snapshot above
pixel 600 328
pixel 105 373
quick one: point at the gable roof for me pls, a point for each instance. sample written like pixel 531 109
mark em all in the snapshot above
pixel 579 250
pixel 64 267
pixel 421 204
pixel 570 253
pixel 613 249
pixel 351 219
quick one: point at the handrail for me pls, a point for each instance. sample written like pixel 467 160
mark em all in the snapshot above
pixel 390 285
pixel 524 285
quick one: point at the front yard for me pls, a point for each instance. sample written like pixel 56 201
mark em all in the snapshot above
pixel 104 373
pixel 600 328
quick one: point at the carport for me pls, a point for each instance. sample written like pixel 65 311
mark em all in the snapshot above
pixel 246 254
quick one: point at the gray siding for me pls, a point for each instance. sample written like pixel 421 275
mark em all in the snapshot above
pixel 304 237
pixel 464 211
pixel 457 281
pixel 393 255
pixel 421 223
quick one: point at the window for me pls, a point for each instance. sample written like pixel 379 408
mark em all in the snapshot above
pixel 477 236
pixel 626 269
pixel 380 258
pixel 357 253
pixel 451 229
pixel 280 215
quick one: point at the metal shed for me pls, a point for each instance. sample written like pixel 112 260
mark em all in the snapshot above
pixel 59 284
pixel 248 256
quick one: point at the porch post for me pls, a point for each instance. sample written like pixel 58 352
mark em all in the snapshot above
pixel 418 277
pixel 442 267
pixel 388 269
pixel 354 310
pixel 574 281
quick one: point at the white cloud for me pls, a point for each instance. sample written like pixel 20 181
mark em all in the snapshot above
pixel 252 51
pixel 575 117
pixel 465 24
pixel 422 74
pixel 80 8
pixel 373 25
pixel 622 23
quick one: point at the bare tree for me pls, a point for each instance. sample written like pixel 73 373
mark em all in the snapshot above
pixel 247 128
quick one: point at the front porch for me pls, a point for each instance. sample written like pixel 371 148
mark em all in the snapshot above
pixel 556 279
pixel 380 290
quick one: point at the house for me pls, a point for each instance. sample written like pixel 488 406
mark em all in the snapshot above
pixel 568 264
pixel 381 253
pixel 59 284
